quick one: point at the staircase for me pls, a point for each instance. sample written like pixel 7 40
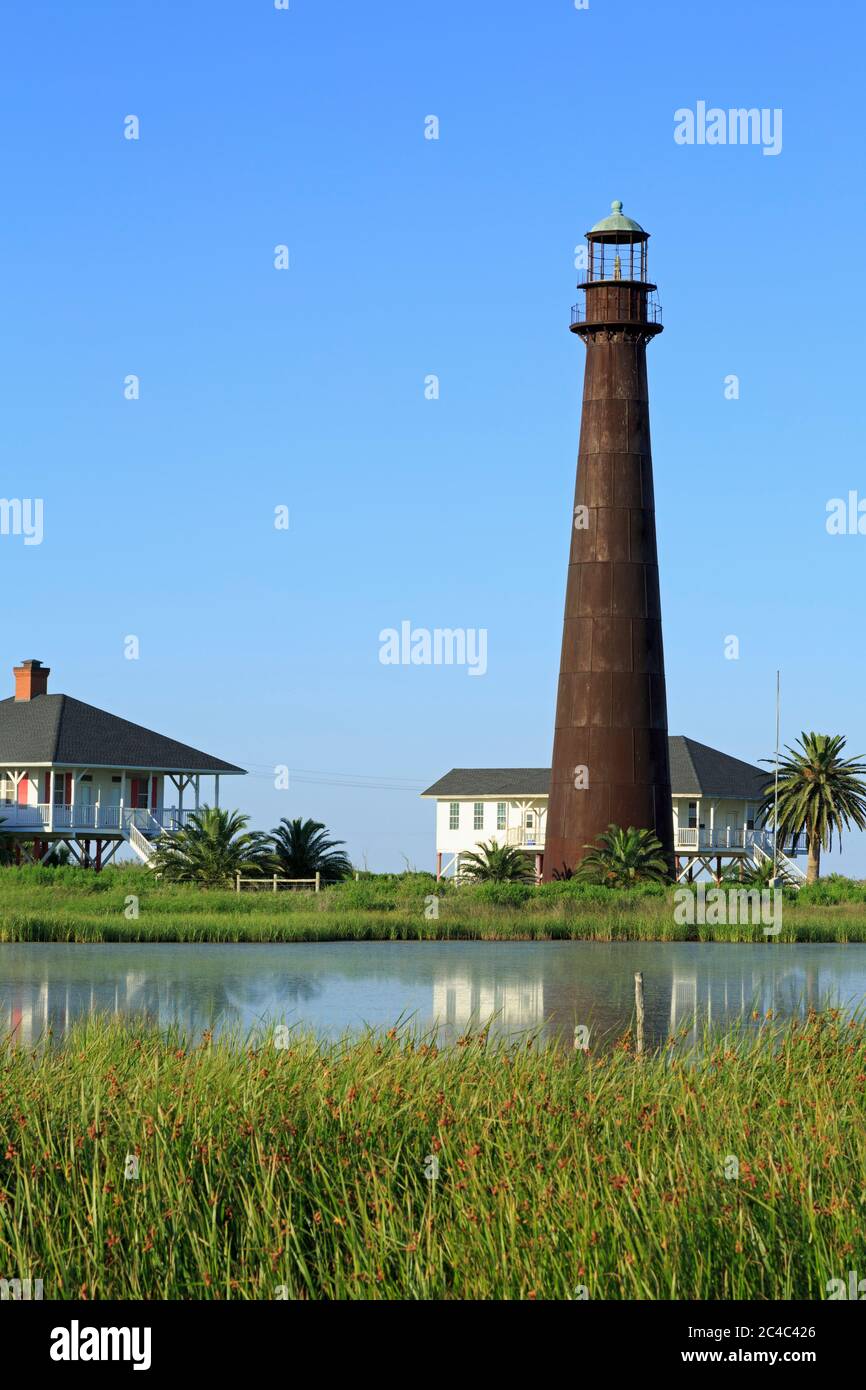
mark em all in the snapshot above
pixel 144 848
pixel 788 870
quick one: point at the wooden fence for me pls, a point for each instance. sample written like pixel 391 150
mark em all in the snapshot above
pixel 276 883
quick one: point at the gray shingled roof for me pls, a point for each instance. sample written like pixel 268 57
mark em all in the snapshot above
pixel 696 770
pixel 704 771
pixel 492 781
pixel 58 729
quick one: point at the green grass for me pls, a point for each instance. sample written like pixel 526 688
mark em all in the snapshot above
pixel 77 905
pixel 304 1168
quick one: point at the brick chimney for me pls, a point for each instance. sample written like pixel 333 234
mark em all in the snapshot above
pixel 31 679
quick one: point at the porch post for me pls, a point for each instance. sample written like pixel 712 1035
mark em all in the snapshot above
pixel 216 789
pixel 197 788
pixel 438 865
pixel 180 798
pixel 51 798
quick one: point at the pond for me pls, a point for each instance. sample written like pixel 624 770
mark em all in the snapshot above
pixel 454 987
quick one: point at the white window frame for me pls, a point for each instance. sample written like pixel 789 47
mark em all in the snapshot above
pixel 478 815
pixel 454 815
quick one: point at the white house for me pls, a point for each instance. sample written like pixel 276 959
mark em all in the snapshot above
pixel 73 774
pixel 715 812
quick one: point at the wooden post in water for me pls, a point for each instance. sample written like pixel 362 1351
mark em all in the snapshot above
pixel 638 1005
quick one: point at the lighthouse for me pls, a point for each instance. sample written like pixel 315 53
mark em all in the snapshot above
pixel 610 744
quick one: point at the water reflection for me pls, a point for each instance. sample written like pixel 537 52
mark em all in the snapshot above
pixel 455 987
pixel 462 1002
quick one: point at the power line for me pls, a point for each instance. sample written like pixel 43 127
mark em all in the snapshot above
pixel 359 780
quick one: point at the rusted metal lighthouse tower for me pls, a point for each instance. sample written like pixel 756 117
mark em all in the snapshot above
pixel 610 748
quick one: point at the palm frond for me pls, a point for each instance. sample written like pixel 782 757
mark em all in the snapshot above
pixel 622 858
pixel 304 848
pixel 211 849
pixel 495 863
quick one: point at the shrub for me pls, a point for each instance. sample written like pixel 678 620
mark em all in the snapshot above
pixel 833 889
pixel 502 894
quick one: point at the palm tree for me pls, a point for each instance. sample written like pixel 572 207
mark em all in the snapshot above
pixel 622 858
pixel 303 848
pixel 819 793
pixel 211 849
pixel 497 863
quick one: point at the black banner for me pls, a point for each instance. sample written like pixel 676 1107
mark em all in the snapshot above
pixel 63 1339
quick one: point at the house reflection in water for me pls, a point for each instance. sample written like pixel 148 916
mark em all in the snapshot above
pixel 716 997
pixel 687 990
pixel 34 1009
pixel 29 1011
pixel 464 1002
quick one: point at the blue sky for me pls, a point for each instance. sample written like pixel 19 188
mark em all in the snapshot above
pixel 305 388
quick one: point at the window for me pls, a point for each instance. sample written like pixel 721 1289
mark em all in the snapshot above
pixel 693 815
pixel 7 790
pixel 750 817
pixel 501 815
pixel 478 816
pixel 59 789
pixel 454 816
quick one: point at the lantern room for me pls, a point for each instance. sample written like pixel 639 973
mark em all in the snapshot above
pixel 617 248
pixel 617 289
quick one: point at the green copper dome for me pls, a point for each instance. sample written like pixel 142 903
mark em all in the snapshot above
pixel 617 223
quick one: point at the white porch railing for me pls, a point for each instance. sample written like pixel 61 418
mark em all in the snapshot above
pixel 785 866
pixel 81 818
pixel 522 838
pixel 734 838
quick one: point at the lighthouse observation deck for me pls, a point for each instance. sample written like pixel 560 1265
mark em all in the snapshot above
pixel 625 303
